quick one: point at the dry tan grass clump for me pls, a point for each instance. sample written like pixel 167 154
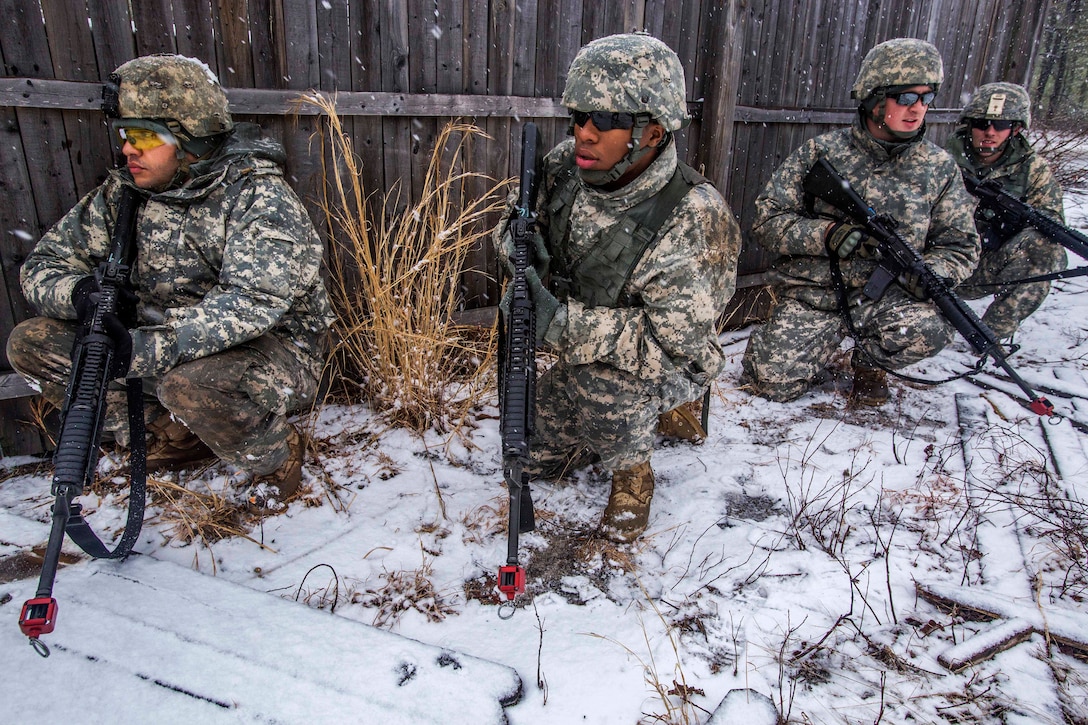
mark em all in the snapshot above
pixel 404 591
pixel 394 283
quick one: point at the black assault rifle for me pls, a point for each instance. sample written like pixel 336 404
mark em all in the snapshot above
pixel 1018 214
pixel 517 367
pixel 899 258
pixel 82 416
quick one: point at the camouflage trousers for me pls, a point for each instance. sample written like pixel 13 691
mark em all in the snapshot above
pixel 1025 255
pixel 599 410
pixel 236 401
pixel 785 356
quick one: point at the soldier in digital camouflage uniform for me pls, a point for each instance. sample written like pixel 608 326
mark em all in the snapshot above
pixel 990 145
pixel 630 314
pixel 230 310
pixel 887 160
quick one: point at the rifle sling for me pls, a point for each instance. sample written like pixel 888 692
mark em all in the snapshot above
pixel 1064 274
pixel 78 529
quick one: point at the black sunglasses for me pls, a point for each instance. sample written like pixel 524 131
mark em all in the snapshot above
pixel 984 123
pixel 909 98
pixel 604 120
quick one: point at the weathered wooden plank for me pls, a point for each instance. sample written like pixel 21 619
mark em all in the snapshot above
pixel 195 28
pixel 723 70
pixel 154 22
pixel 334 45
pixel 526 22
pixel 423 26
pixel 68 95
pixel 114 42
pixel 396 132
pixel 366 75
pixel 237 52
pixel 474 40
pixel 19 228
pixel 70 44
pixel 266 44
pixel 72 50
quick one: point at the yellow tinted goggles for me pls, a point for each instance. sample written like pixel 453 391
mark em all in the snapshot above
pixel 141 139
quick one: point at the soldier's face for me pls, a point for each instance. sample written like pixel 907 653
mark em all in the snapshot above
pixel 152 168
pixel 597 150
pixel 989 142
pixel 903 120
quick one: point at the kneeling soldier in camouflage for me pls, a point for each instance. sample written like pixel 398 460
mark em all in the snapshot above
pixel 228 315
pixel 990 146
pixel 824 261
pixel 638 259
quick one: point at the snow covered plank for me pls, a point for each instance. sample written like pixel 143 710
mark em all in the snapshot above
pixel 1067 627
pixel 162 635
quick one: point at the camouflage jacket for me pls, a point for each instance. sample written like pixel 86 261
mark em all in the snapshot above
pixel 682 283
pixel 1021 172
pixel 915 182
pixel 225 257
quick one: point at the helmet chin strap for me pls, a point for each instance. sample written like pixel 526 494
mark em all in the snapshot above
pixel 634 153
pixel 993 152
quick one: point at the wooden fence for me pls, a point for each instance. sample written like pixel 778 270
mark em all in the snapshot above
pixel 762 76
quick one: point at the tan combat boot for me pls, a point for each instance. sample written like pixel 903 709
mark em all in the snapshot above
pixel 628 510
pixel 683 423
pixel 870 386
pixel 270 493
pixel 172 446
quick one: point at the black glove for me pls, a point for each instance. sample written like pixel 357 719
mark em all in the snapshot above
pixel 538 253
pixel 81 297
pixel 122 344
pixel 912 283
pixel 844 238
pixel 544 303
pixel 87 292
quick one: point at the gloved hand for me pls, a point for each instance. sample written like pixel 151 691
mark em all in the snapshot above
pixel 119 338
pixel 844 238
pixel 912 283
pixel 122 344
pixel 87 292
pixel 544 303
pixel 81 297
pixel 539 253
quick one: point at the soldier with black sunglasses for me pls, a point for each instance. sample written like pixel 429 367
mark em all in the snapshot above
pixel 990 144
pixel 634 265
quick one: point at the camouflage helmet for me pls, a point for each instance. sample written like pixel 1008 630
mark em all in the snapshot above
pixel 999 102
pixel 171 88
pixel 629 73
pixel 898 62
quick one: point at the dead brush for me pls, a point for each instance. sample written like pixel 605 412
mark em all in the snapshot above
pixel 402 592
pixel 190 516
pixel 395 281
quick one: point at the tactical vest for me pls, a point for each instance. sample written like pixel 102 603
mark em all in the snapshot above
pixel 597 278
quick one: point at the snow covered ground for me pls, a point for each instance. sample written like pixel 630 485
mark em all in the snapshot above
pixel 784 556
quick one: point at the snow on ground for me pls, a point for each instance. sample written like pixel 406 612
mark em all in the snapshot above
pixel 782 557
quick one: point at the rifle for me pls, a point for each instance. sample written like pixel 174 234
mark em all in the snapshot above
pixel 82 416
pixel 1019 214
pixel 899 258
pixel 517 368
